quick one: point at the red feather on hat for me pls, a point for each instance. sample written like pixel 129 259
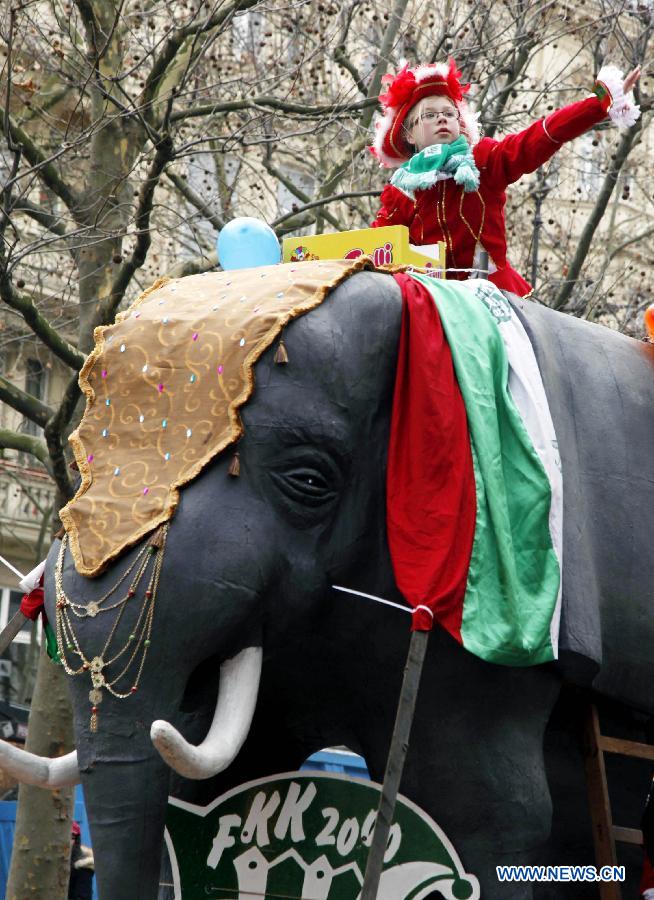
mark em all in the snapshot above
pixel 400 90
pixel 455 89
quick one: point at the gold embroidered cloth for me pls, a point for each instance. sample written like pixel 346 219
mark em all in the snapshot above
pixel 163 387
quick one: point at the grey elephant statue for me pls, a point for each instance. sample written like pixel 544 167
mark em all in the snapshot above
pixel 250 660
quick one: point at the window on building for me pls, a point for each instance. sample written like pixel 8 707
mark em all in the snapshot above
pixel 35 386
pixel 247 30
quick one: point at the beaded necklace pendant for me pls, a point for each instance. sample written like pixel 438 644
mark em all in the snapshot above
pixel 132 654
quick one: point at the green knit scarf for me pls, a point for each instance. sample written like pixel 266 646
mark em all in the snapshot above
pixel 423 169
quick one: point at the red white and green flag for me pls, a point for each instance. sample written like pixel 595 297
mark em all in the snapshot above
pixel 474 494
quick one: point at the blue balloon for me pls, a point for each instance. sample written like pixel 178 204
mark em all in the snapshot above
pixel 245 243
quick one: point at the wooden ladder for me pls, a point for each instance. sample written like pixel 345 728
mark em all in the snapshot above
pixel 605 833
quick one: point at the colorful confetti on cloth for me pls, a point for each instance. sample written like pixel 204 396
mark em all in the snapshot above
pixel 163 388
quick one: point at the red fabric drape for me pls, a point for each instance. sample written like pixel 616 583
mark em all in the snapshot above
pixel 32 604
pixel 430 490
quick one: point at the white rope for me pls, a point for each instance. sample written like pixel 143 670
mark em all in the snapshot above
pixel 427 609
pixel 337 587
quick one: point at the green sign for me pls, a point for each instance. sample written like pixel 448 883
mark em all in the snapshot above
pixel 306 835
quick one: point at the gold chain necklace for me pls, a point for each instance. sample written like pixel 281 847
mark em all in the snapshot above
pixel 139 639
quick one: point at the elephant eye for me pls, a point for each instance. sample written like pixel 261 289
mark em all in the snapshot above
pixel 305 484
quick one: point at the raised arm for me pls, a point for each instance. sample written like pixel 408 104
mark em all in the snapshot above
pixel 505 161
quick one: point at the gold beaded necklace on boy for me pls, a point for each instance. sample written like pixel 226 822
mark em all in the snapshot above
pixel 139 639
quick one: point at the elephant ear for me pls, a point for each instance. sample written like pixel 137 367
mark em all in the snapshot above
pixel 185 347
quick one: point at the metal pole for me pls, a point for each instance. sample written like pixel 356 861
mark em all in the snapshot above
pixel 538 221
pixel 483 264
pixel 395 763
pixel 11 629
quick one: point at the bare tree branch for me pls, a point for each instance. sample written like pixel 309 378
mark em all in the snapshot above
pixel 11 440
pixel 91 23
pixel 13 148
pixel 583 245
pixel 54 435
pixel 340 55
pixel 24 403
pixel 395 23
pixel 634 239
pixel 175 41
pixel 43 217
pixel 42 163
pixel 194 266
pixel 39 324
pixel 343 60
pixel 163 155
pixel 266 102
pixel 343 164
pixel 323 201
pixel 520 58
pixel 195 200
pixel 305 198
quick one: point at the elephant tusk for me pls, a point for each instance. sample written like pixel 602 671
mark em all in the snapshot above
pixel 237 698
pixel 41 771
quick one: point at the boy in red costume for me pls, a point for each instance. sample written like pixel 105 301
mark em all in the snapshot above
pixel 449 185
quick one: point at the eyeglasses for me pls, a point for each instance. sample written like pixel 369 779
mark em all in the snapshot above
pixel 432 114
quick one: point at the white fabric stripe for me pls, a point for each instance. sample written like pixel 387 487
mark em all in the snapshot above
pixel 32 579
pixel 528 393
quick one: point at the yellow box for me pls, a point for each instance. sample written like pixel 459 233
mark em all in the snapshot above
pixel 385 245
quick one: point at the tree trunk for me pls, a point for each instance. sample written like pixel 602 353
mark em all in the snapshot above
pixel 40 862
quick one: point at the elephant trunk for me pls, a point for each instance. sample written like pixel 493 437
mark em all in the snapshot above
pixel 237 698
pixel 126 801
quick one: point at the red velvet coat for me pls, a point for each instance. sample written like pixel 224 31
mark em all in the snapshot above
pixel 445 213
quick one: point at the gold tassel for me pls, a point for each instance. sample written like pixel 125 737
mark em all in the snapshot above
pixel 93 727
pixel 157 538
pixel 281 356
pixel 235 466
